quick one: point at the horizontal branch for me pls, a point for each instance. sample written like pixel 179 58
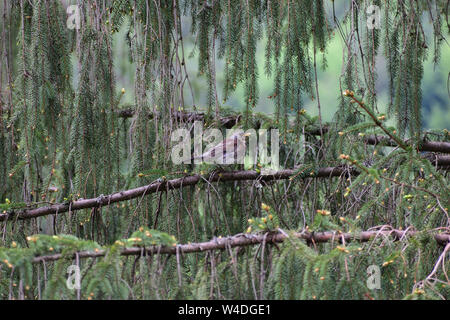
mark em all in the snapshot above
pixel 226 122
pixel 326 172
pixel 166 185
pixel 187 116
pixel 229 121
pixel 242 240
pixel 430 146
pixel 438 160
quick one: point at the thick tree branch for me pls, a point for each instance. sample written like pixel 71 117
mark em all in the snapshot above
pixel 430 146
pixel 187 116
pixel 327 172
pixel 229 121
pixel 167 185
pixel 242 240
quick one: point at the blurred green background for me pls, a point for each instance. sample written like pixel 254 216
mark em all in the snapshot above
pixel 435 103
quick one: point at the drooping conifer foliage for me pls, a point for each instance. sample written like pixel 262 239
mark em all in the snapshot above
pixel 86 180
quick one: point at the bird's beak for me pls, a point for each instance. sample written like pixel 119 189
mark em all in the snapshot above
pixel 247 134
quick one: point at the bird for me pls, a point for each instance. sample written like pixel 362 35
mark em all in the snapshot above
pixel 232 150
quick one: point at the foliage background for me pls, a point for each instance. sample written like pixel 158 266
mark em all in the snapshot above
pixel 81 184
pixel 436 104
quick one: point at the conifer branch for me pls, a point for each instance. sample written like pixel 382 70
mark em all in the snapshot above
pixel 188 116
pixel 242 240
pixel 326 172
pixel 429 146
pixel 168 185
pixel 229 121
pixel 393 137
